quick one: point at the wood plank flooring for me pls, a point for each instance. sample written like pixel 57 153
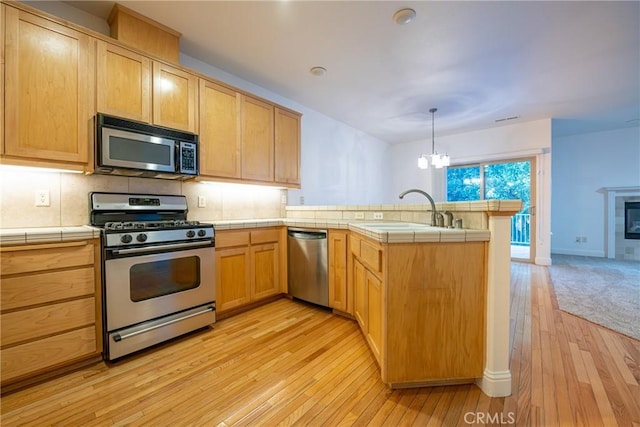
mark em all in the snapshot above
pixel 287 363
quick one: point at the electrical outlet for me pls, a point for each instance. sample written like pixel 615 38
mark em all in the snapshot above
pixel 378 215
pixel 42 198
pixel 577 239
pixel 359 215
pixel 301 200
pixel 202 202
pixel 583 239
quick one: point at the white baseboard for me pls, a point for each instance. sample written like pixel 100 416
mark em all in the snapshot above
pixel 495 384
pixel 585 252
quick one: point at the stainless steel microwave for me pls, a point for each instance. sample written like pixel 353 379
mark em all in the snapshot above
pixel 126 147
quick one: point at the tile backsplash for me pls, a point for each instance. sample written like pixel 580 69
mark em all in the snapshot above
pixel 69 197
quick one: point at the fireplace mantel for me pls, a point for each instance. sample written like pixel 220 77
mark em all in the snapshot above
pixel 610 194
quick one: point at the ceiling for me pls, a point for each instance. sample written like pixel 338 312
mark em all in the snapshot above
pixel 478 62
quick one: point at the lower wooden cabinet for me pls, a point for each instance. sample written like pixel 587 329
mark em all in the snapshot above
pixel 340 295
pixel 368 308
pixel 249 266
pixel 49 307
pixel 421 308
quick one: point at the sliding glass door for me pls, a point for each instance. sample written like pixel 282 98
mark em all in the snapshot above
pixel 500 180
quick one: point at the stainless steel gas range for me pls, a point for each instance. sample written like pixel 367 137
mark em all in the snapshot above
pixel 158 270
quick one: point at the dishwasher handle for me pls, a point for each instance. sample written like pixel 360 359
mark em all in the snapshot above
pixel 307 235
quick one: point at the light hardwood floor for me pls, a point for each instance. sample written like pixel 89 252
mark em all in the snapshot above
pixel 288 363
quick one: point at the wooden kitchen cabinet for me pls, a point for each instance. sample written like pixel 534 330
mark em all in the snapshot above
pixel 49 92
pixel 266 277
pixel 233 277
pixel 287 147
pixel 340 296
pixel 421 308
pixel 50 308
pixel 248 266
pixel 135 87
pixel 257 139
pixel 360 294
pixel 175 95
pixel 220 144
pixel 123 83
pixel 374 314
pixel 246 139
pixel 368 295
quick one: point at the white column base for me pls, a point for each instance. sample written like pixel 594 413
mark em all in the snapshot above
pixel 495 384
pixel 543 261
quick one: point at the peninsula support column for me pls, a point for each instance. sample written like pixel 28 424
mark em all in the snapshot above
pixel 496 380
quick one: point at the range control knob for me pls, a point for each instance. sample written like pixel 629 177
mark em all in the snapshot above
pixel 141 237
pixel 126 238
pixel 202 233
pixel 191 233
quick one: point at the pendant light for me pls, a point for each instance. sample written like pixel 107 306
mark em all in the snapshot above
pixel 436 160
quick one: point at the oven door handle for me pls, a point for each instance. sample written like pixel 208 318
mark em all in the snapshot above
pixel 158 248
pixel 118 337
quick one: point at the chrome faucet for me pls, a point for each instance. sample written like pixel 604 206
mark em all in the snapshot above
pixel 434 212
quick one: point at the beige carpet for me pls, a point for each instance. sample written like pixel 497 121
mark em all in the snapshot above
pixel 603 291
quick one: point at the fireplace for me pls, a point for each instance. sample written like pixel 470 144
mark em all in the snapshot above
pixel 632 220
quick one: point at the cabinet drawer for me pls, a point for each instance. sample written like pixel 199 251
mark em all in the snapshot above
pixel 226 239
pixel 371 256
pixel 46 320
pixel 23 291
pixel 264 236
pixel 38 355
pixel 46 257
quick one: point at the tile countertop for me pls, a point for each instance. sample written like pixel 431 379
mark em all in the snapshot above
pixel 15 236
pixel 431 235
pixel 61 234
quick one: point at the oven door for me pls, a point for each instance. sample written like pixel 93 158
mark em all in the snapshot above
pixel 145 286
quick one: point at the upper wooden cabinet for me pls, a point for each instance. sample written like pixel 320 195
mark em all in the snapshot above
pixel 257 139
pixel 174 97
pixel 220 145
pixel 246 139
pixel 49 91
pixel 124 83
pixel 287 147
pixel 133 86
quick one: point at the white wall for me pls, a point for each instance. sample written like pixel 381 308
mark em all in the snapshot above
pixel 528 139
pixel 583 164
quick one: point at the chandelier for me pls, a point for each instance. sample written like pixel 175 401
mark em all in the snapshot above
pixel 436 160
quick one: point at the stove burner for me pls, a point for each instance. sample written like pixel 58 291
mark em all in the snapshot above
pixel 147 225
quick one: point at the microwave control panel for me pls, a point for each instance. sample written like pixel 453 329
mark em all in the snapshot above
pixel 188 158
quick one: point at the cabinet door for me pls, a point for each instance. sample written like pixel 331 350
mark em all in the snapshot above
pixel 124 83
pixel 374 314
pixel 174 97
pixel 219 131
pixel 265 271
pixel 339 297
pixel 257 140
pixel 287 147
pixel 360 294
pixel 232 278
pixel 49 89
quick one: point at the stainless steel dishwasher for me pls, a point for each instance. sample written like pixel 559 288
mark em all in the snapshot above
pixel 307 265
